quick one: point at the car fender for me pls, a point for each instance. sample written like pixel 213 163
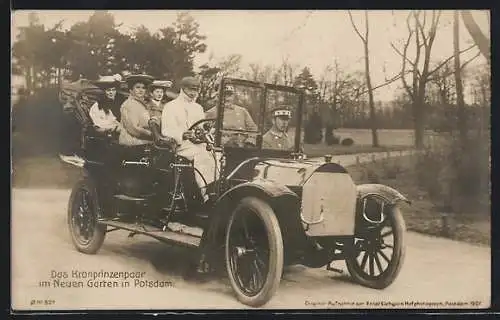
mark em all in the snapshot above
pixel 370 212
pixel 390 195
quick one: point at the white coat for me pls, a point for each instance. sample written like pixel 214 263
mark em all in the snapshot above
pixel 178 116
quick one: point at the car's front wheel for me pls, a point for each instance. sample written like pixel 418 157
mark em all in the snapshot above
pixel 378 251
pixel 254 252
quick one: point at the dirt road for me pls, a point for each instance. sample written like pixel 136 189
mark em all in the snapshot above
pixel 436 271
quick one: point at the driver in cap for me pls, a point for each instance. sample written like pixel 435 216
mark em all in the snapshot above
pixel 235 116
pixel 178 116
pixel 277 137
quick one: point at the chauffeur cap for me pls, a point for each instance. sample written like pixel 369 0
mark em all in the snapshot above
pixel 281 111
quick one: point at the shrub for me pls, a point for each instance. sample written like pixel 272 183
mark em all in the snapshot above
pixel 313 131
pixel 332 139
pixel 391 168
pixel 347 142
pixel 455 176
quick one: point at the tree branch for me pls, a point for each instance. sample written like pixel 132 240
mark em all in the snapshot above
pixel 447 60
pixel 402 55
pixel 367 29
pixel 420 27
pixel 388 82
pixel 450 72
pixel 435 22
pixel 403 67
pixel 355 28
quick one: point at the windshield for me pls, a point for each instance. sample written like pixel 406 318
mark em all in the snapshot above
pixel 257 116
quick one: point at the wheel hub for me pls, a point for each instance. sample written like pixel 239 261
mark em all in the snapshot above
pixel 242 251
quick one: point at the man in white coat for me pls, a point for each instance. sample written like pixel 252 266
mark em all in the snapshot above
pixel 178 116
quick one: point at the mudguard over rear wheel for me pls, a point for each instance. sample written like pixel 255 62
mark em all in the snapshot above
pixel 86 233
pixel 378 252
pixel 254 252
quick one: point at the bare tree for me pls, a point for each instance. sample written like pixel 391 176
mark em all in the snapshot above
pixel 286 73
pixel 341 94
pixel 481 94
pixel 444 86
pixel 419 66
pixel 260 73
pixel 365 40
pixel 212 72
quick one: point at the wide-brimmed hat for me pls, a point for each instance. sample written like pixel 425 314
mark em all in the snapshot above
pixel 142 78
pixel 106 82
pixel 190 82
pixel 163 84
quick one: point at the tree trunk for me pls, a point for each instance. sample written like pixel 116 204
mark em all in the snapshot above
pixel 29 79
pixel 462 121
pixel 419 122
pixel 479 38
pixel 373 120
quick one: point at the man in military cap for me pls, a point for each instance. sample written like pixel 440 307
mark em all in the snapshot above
pixel 178 116
pixel 277 137
pixel 235 116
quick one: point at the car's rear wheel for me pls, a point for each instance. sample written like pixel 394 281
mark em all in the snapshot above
pixel 378 251
pixel 86 233
pixel 254 252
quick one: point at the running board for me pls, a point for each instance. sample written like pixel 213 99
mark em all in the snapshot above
pixel 177 238
pixel 128 198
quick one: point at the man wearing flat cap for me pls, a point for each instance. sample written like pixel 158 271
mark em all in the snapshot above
pixel 277 137
pixel 177 117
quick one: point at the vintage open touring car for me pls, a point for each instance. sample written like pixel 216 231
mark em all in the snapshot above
pixel 268 208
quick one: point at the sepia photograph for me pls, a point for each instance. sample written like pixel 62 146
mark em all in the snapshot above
pixel 250 159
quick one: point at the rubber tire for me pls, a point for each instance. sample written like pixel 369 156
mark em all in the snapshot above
pixel 398 257
pixel 100 230
pixel 268 217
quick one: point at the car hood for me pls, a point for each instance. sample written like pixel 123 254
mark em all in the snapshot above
pixel 283 171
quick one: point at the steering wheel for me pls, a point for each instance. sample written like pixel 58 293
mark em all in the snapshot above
pixel 239 138
pixel 203 131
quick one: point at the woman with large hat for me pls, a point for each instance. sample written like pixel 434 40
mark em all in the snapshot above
pixel 135 113
pixel 105 112
pixel 157 101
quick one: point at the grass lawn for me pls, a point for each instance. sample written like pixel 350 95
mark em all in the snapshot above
pixel 473 226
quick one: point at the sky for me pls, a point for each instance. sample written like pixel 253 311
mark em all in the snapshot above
pixel 305 38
